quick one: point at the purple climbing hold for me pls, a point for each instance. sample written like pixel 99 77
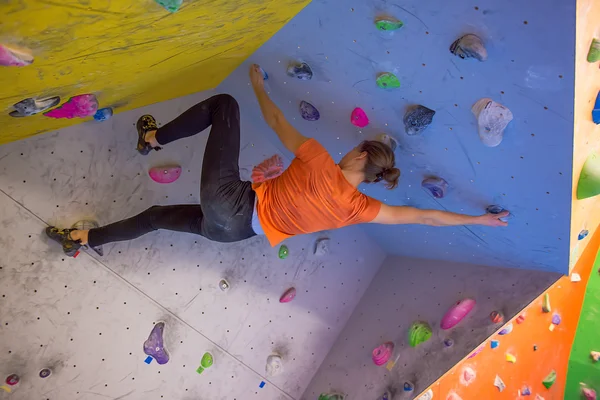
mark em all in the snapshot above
pixel 437 186
pixel 154 346
pixel 556 319
pixel 448 342
pixel 300 70
pixel 417 118
pixel 309 112
pixel 526 391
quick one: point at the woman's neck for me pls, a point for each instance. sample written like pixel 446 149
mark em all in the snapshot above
pixel 354 177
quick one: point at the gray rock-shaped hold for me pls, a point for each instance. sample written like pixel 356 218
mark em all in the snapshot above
pixel 417 119
pixel 300 70
pixel 469 46
pixel 308 111
pixel 30 106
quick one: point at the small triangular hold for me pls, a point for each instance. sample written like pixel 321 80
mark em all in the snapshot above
pixel 549 379
pixel 594 52
pixel 589 179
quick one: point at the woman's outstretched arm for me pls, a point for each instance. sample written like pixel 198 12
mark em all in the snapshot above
pixel 289 136
pixel 410 215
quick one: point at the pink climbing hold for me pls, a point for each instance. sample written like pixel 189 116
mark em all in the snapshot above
pixel 383 353
pixel 14 57
pixel 288 296
pixel 165 174
pixel 81 106
pixel 268 169
pixel 467 376
pixel 359 118
pixel 456 313
pixel 589 394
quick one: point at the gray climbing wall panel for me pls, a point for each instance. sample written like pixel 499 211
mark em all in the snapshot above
pixel 407 290
pixel 107 305
pixel 530 69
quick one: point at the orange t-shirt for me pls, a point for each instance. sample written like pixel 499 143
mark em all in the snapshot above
pixel 310 196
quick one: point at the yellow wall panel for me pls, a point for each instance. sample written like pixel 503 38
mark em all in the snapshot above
pixel 130 53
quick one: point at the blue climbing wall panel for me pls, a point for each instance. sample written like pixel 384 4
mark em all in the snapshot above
pixel 530 69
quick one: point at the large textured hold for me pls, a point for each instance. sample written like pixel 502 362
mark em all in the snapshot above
pixel 457 313
pixel 309 112
pixel 469 46
pixel 154 346
pixel 594 53
pixel 274 365
pixel 15 57
pixel 436 186
pixel 589 179
pixel 383 353
pixel 81 106
pixel 300 70
pixel 419 332
pixel 30 106
pixel 170 5
pixel 417 119
pixel 492 119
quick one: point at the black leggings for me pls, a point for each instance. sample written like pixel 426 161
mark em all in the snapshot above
pixel 225 212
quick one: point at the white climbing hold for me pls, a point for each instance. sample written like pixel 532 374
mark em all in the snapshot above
pixel 321 247
pixel 428 395
pixel 492 119
pixel 499 383
pixel 575 277
pixel 274 365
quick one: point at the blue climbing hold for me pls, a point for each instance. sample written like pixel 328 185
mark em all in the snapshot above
pixel 262 384
pixel 494 344
pixel 170 5
pixel 596 110
pixel 408 387
pixel 308 111
pixel 496 209
pixel 103 114
pixel 437 186
pixel 583 234
pixel 148 360
pixel 264 73
pixel 448 342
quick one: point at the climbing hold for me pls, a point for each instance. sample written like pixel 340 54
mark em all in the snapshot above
pixel 45 372
pixel 388 24
pixel 551 327
pixel 387 139
pixel 387 395
pixel 166 174
pixel 595 355
pixel 556 319
pixel 477 351
pixel 589 179
pixel 469 46
pixel 538 397
pixel 81 106
pixel 496 209
pixel 274 365
pixel 12 380
pixel 417 118
pixel 30 106
pixel 288 295
pixel 535 348
pixel 594 52
pixel 520 319
pixel 506 330
pixel 452 395
pixel 546 303
pixel 583 234
pixel 321 247
pixel 448 342
pixel 408 387
pixel 154 346
pixel 383 353
pixel 332 396
pixel 308 111
pixel 387 80
pixel 148 360
pixel 11 56
pixel 588 393
pixel 419 332
pixel 103 114
pixel 596 110
pixel 511 358
pixel 428 395
pixel 492 119
pixel 268 169
pixel 170 5
pixel 549 379
pixel 526 391
pixel 206 362
pixel 261 384
pixel 467 376
pixel 359 118
pixel 494 344
pixel 283 252
pixel 300 70
pixel 496 317
pixel 224 285
pixel 575 277
pixel 499 383
pixel 437 186
pixel 264 74
pixel 456 313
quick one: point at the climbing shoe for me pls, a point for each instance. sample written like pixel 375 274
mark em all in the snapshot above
pixel 63 236
pixel 144 124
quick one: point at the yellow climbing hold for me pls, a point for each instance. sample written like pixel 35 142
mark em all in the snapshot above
pixel 546 303
pixel 510 358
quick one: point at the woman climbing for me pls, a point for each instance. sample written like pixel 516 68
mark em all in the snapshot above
pixel 313 193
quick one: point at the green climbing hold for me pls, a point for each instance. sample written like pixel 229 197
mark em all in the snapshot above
pixel 206 362
pixel 387 80
pixel 283 252
pixel 589 179
pixel 332 396
pixel 419 332
pixel 594 53
pixel 386 24
pixel 170 5
pixel 549 379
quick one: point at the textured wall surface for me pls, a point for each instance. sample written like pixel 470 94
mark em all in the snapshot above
pixel 585 213
pixel 407 290
pixel 129 53
pixel 528 173
pixel 93 171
